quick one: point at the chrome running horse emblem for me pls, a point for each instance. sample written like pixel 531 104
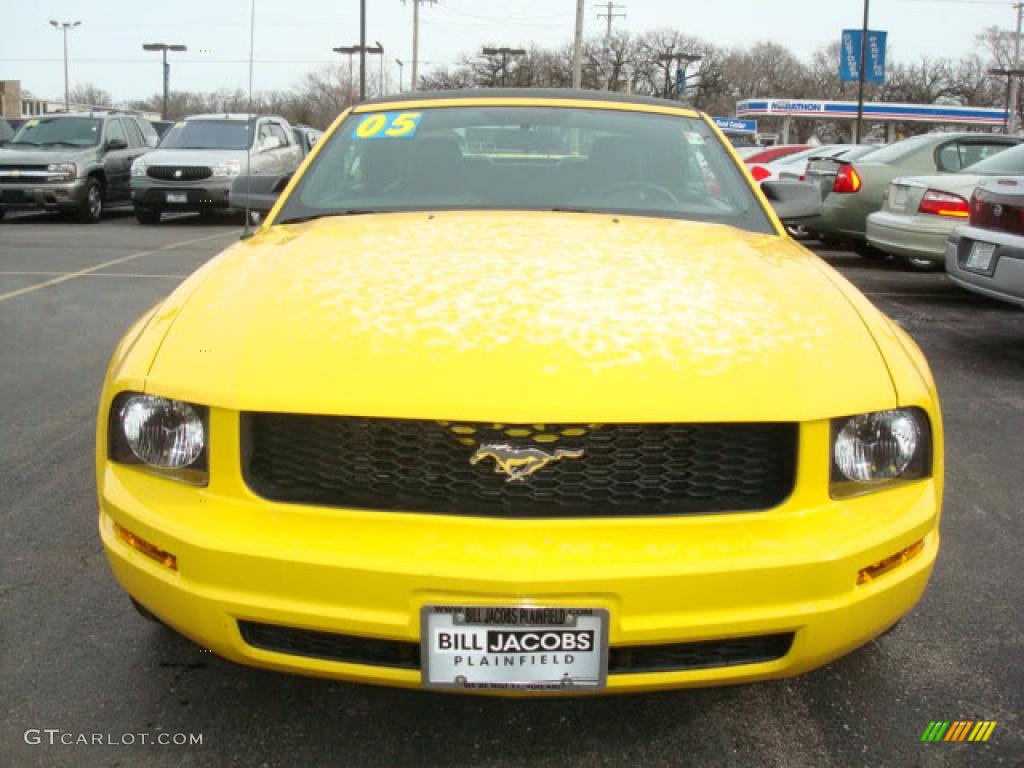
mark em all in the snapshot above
pixel 520 463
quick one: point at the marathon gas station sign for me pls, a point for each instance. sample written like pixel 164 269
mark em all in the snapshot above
pixel 880 111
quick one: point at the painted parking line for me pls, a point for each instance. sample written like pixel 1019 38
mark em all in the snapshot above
pixel 93 274
pixel 112 262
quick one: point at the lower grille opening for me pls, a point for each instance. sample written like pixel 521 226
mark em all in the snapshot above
pixel 630 659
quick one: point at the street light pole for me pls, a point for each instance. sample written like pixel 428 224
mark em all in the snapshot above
pixel 681 59
pixel 1012 83
pixel 64 26
pixel 504 53
pixel 362 50
pixel 400 64
pixel 164 48
pixel 859 130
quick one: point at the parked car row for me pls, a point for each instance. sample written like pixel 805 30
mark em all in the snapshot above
pixel 909 200
pixel 83 163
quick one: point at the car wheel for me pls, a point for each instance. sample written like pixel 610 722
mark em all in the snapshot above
pixel 2 212
pixel 147 215
pixel 90 210
pixel 144 612
pixel 924 265
pixel 798 232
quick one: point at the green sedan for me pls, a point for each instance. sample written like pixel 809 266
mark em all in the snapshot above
pixel 858 187
pixel 919 212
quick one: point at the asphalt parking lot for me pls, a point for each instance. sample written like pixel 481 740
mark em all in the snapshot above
pixel 74 655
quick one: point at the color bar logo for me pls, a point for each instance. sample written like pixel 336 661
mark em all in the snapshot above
pixel 958 730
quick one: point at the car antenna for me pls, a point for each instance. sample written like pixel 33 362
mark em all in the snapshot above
pixel 246 232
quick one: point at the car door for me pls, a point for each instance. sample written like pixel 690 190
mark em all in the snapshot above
pixel 264 161
pixel 289 153
pixel 117 159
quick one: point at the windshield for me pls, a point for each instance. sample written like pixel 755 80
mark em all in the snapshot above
pixel 1009 161
pixel 896 153
pixel 208 134
pixel 68 131
pixel 527 158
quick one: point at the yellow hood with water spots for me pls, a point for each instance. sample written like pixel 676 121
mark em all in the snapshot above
pixel 520 317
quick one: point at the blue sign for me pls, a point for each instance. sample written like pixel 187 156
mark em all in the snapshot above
pixel 849 56
pixel 735 125
pixel 680 80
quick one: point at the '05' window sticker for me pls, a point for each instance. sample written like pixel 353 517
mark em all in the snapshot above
pixel 388 125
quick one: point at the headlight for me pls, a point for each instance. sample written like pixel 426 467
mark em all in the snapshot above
pixel 139 167
pixel 168 436
pixel 227 168
pixel 63 171
pixel 872 449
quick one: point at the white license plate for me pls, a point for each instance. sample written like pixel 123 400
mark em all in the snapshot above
pixel 177 197
pixel 980 257
pixel 898 198
pixel 526 648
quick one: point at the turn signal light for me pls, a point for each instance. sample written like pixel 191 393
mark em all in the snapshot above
pixel 872 572
pixel 847 180
pixel 139 544
pixel 759 173
pixel 944 204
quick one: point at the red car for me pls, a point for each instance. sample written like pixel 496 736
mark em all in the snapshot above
pixel 774 153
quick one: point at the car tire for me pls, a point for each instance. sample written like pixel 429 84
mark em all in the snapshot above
pixel 145 215
pixel 923 265
pixel 798 232
pixel 2 212
pixel 90 210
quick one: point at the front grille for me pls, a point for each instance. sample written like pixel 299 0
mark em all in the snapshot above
pixel 630 659
pixel 424 466
pixel 26 174
pixel 178 172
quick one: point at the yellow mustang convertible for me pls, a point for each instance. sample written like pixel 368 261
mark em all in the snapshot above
pixel 522 392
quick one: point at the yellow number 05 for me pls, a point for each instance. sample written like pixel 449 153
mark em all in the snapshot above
pixel 371 126
pixel 403 124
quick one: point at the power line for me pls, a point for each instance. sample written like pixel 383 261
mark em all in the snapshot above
pixel 610 14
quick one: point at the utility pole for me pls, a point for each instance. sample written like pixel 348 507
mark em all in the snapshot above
pixel 416 40
pixel 859 129
pixel 608 15
pixel 504 53
pixel 381 46
pixel 400 64
pixel 164 48
pixel 1014 81
pixel 64 26
pixel 577 48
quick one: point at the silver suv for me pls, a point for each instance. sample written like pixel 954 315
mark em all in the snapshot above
pixel 199 156
pixel 75 162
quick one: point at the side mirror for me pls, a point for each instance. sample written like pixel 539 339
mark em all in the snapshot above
pixel 793 200
pixel 257 193
pixel 117 144
pixel 269 143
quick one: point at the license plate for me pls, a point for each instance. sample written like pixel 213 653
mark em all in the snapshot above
pixel 177 197
pixel 527 648
pixel 898 198
pixel 980 257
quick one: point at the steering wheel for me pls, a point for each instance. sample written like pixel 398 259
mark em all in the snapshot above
pixel 618 192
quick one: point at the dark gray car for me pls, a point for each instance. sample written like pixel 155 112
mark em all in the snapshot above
pixel 77 163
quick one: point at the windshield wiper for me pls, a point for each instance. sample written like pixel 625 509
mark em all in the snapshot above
pixel 325 214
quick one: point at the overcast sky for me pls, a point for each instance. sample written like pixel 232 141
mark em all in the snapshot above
pixel 293 36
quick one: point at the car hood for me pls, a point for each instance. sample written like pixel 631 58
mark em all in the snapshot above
pixel 520 317
pixel 38 156
pixel 194 156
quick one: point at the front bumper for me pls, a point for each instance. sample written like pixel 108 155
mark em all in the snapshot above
pixel 910 236
pixel 792 569
pixel 208 194
pixel 50 196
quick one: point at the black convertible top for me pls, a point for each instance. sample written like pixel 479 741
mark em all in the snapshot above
pixel 524 93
